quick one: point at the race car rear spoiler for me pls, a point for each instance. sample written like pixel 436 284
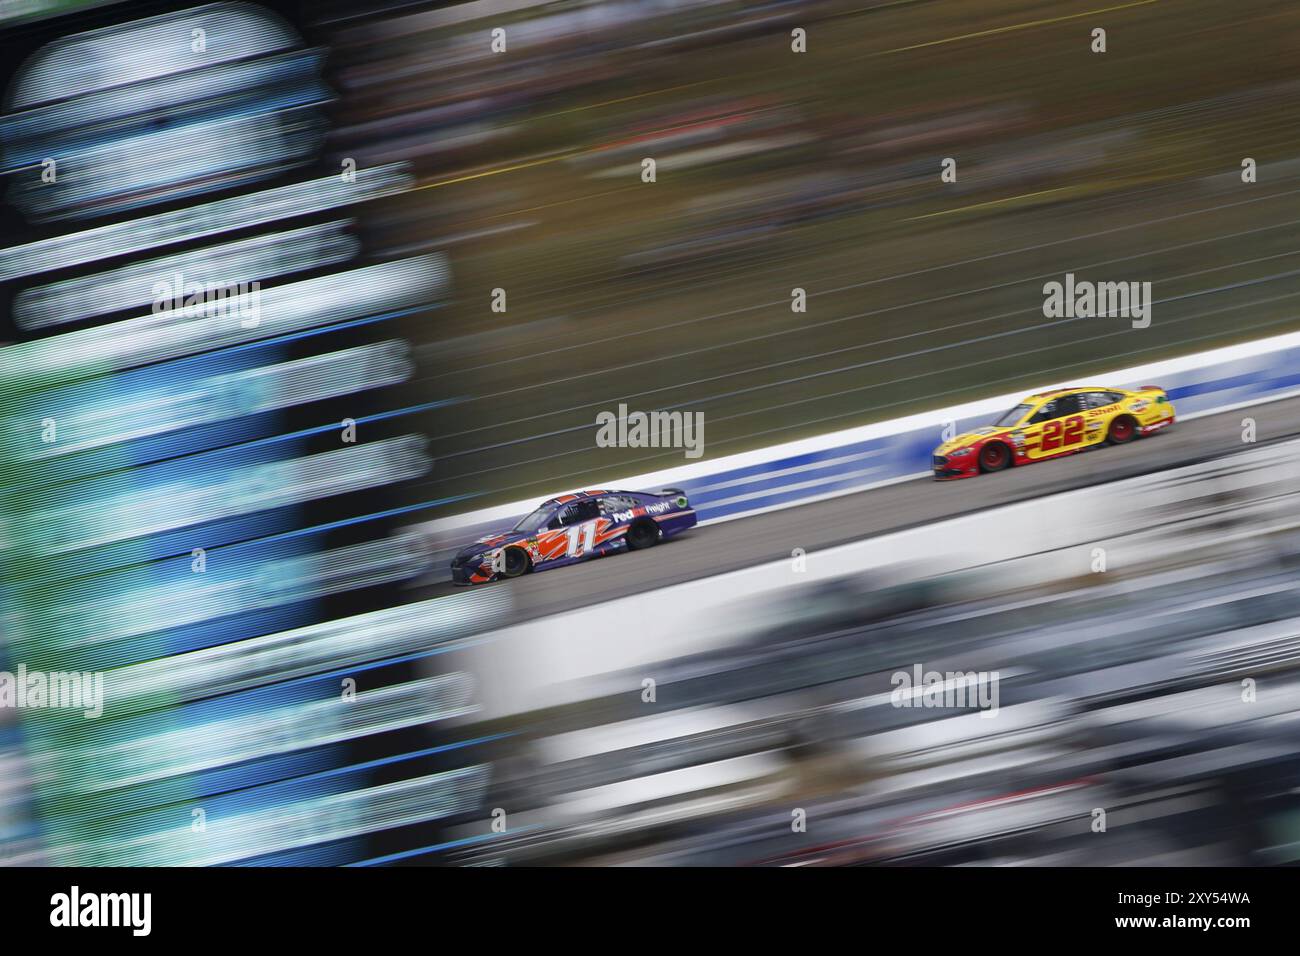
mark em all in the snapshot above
pixel 668 492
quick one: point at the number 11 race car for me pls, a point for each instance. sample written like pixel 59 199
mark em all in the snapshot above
pixel 1053 424
pixel 572 528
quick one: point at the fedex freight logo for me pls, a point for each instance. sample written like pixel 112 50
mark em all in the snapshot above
pixel 132 910
pixel 659 507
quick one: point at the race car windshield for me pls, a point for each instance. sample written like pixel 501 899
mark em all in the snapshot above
pixel 533 521
pixel 1011 417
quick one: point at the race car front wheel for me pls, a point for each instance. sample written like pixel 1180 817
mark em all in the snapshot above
pixel 642 535
pixel 994 456
pixel 516 562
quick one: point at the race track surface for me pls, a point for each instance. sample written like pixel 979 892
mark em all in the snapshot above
pixel 730 545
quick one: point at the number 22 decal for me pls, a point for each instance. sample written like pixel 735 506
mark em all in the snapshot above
pixel 1058 434
pixel 582 537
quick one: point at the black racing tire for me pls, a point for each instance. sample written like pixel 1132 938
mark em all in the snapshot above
pixel 642 535
pixel 1122 430
pixel 994 456
pixel 517 562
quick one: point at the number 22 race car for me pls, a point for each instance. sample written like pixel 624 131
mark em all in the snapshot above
pixel 1053 424
pixel 572 528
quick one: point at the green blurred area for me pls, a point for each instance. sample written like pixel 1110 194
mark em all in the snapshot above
pixel 821 171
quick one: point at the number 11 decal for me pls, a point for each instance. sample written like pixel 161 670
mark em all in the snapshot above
pixel 582 538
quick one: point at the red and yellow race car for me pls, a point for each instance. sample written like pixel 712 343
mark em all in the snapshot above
pixel 1055 423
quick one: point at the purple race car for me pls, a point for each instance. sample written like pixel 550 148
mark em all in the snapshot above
pixel 572 528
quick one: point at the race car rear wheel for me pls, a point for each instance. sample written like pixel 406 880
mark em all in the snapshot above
pixel 1122 430
pixel 516 563
pixel 994 456
pixel 643 534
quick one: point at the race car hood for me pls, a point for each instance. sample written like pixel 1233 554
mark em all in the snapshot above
pixel 493 539
pixel 969 438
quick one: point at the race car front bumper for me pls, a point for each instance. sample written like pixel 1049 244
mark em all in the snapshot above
pixel 945 469
pixel 470 573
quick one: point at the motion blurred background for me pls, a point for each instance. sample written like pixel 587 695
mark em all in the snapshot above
pixel 231 517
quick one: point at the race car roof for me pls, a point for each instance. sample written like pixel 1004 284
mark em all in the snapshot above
pixel 576 496
pixel 1066 391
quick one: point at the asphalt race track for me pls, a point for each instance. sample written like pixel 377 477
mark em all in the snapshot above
pixel 730 545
